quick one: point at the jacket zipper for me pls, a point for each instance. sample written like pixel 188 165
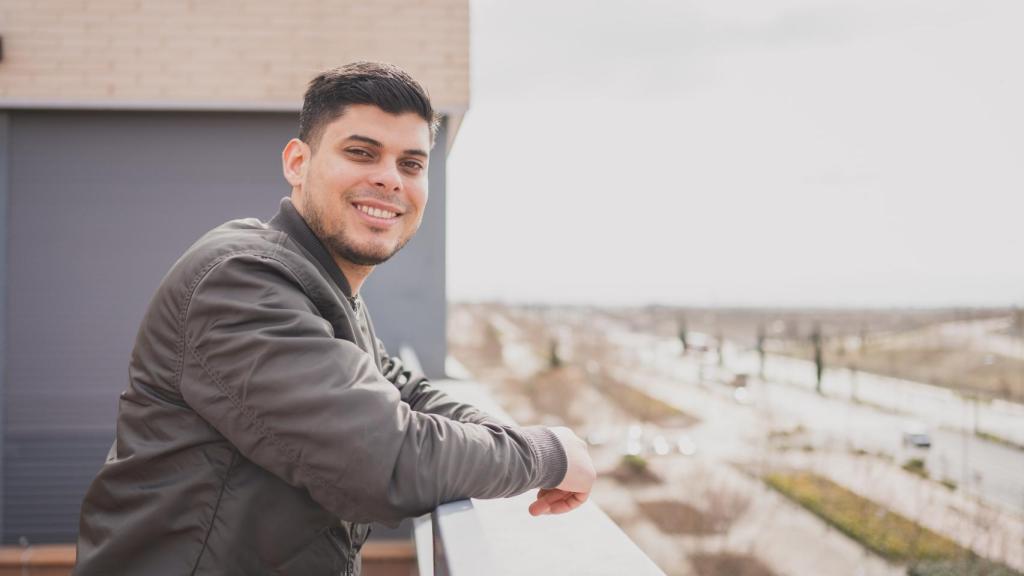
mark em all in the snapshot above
pixel 349 567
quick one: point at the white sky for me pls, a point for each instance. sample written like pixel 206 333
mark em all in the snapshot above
pixel 741 152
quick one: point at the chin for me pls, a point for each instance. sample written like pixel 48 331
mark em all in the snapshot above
pixel 371 250
pixel 370 256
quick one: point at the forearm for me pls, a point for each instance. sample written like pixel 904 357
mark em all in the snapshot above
pixel 527 457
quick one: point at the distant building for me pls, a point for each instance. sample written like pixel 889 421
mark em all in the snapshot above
pixel 129 128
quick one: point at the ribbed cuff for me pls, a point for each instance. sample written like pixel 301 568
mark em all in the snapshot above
pixel 550 454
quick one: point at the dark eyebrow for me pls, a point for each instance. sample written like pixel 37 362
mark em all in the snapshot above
pixel 376 144
pixel 365 140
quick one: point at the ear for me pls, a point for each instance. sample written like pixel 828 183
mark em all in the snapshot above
pixel 294 161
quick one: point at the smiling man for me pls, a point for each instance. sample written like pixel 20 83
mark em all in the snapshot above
pixel 264 425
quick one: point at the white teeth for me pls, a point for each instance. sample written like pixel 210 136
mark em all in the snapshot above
pixel 376 212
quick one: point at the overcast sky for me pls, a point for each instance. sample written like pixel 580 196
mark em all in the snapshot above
pixel 741 152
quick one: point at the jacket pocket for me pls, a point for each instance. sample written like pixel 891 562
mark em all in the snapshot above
pixel 323 556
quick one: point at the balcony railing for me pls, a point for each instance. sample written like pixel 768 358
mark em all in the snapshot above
pixel 471 537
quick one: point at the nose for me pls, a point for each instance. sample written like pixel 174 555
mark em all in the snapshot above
pixel 387 179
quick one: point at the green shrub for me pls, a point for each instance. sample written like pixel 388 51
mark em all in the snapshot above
pixel 634 462
pixel 916 466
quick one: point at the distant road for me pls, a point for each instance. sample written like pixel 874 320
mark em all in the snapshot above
pixel 875 422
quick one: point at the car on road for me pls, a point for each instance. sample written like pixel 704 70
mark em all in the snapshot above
pixel 915 435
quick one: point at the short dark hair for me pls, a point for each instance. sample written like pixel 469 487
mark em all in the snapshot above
pixel 385 86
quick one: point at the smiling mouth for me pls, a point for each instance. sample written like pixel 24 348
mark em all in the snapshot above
pixel 375 212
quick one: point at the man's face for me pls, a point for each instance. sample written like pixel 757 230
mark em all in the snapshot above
pixel 364 189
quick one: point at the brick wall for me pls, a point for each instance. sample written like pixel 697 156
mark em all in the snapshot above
pixel 252 53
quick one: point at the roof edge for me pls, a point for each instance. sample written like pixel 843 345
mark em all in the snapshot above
pixel 453 113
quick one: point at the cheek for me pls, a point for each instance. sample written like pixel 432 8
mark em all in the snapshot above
pixel 418 196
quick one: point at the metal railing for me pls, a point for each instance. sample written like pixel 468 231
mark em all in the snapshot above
pixel 471 537
pixel 452 522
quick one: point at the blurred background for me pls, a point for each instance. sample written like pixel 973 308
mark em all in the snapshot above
pixel 760 254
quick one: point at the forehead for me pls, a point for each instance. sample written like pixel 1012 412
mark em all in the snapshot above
pixel 405 131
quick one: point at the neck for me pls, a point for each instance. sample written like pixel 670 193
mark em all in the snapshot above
pixel 354 273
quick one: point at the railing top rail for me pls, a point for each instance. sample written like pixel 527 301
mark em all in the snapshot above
pixel 500 537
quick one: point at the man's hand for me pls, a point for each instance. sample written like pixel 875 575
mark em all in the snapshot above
pixel 555 501
pixel 577 483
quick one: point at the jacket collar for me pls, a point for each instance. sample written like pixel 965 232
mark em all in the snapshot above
pixel 289 221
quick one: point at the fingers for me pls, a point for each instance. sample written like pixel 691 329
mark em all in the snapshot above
pixel 545 497
pixel 550 495
pixel 554 501
pixel 571 502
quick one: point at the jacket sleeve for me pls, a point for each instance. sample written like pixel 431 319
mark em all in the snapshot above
pixel 417 392
pixel 263 368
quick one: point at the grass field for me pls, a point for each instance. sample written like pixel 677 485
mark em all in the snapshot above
pixel 886 533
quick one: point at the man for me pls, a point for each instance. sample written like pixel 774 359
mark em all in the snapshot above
pixel 264 425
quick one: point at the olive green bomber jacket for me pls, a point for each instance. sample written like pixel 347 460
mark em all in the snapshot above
pixel 264 426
